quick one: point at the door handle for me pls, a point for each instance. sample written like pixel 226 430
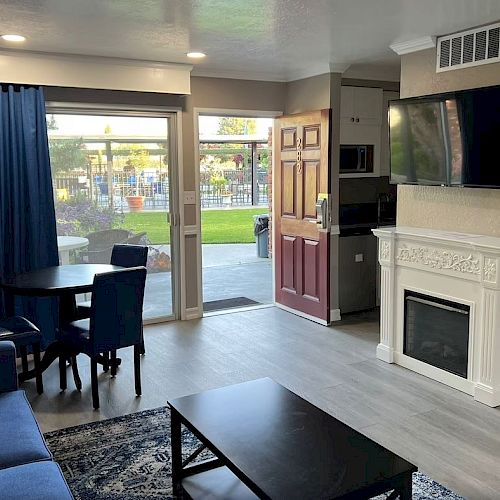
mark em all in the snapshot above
pixel 322 211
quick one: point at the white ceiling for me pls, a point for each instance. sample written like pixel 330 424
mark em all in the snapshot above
pixel 257 39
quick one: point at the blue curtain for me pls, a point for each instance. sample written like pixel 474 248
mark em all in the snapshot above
pixel 28 238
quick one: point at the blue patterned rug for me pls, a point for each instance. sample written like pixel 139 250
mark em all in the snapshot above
pixel 128 458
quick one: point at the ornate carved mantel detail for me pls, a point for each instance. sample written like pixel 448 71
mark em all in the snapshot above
pixel 439 259
pixel 490 270
pixel 385 250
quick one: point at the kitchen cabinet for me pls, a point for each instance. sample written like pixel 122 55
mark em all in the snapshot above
pixel 357 272
pixel 385 156
pixel 361 105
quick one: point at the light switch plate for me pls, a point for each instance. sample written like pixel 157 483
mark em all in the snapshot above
pixel 358 257
pixel 189 198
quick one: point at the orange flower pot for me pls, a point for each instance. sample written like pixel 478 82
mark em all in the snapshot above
pixel 135 203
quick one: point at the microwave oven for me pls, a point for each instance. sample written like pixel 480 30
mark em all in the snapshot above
pixel 356 158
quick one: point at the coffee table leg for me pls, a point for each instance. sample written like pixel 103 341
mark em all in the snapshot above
pixel 176 445
pixel 405 490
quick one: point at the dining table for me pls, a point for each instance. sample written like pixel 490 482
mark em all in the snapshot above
pixel 63 282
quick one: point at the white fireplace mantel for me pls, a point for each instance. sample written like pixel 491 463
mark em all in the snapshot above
pixel 459 267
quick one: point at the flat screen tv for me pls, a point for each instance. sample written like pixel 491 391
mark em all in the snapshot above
pixel 448 139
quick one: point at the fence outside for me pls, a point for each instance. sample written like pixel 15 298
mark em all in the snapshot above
pixel 237 191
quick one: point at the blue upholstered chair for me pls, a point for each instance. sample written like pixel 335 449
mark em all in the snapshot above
pixel 24 333
pixel 124 255
pixel 115 322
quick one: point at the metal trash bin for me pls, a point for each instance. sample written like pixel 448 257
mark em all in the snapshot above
pixel 261 231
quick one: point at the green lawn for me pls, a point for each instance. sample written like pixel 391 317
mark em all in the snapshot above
pixel 217 226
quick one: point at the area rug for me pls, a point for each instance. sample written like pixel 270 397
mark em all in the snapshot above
pixel 128 458
pixel 217 305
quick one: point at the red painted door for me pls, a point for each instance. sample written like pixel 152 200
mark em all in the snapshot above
pixel 301 163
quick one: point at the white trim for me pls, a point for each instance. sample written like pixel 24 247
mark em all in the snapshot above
pixel 271 76
pixel 77 108
pixel 236 310
pixel 460 383
pixel 414 45
pixel 335 315
pixel 192 313
pixel 239 113
pixel 68 70
pixel 191 230
pixel 176 176
pixel 158 319
pixel 197 229
pixel 303 315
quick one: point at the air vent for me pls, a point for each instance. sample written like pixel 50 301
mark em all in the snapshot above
pixel 469 48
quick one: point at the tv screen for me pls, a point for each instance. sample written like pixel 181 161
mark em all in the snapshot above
pixel 446 139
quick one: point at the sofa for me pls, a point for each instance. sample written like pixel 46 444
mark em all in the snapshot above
pixel 27 468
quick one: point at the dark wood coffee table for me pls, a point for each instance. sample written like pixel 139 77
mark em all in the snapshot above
pixel 270 443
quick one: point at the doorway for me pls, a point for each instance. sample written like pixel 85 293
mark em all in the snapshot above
pixel 235 199
pixel 113 175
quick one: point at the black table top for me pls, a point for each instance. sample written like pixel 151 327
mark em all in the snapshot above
pixel 285 446
pixel 55 280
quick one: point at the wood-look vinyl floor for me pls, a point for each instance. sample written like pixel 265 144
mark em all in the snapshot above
pixel 444 432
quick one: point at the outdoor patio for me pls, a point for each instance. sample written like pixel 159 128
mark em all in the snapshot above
pixel 229 271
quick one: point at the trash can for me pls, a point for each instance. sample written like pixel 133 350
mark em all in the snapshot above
pixel 261 231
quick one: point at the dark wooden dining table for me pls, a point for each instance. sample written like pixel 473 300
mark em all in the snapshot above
pixel 63 282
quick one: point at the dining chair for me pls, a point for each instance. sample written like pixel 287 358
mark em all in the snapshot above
pixel 24 333
pixel 115 322
pixel 124 255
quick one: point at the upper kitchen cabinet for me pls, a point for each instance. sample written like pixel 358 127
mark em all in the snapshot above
pixel 361 105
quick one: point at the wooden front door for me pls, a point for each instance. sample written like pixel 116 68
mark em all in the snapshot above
pixel 301 163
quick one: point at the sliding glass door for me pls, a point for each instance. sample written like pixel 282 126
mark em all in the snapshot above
pixel 113 183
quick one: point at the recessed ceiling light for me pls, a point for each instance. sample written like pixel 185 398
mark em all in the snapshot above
pixel 196 55
pixel 14 38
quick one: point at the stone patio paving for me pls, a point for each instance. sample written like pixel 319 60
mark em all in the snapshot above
pixel 230 270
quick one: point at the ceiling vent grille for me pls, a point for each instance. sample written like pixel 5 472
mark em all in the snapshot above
pixel 469 48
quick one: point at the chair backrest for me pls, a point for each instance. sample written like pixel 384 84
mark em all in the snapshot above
pixel 100 240
pixel 116 309
pixel 127 255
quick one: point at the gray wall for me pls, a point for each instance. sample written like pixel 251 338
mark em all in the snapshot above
pixel 453 209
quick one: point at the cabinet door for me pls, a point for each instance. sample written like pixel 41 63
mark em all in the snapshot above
pixel 347 103
pixel 368 106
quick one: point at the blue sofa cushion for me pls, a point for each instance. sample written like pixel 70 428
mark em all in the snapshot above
pixel 41 480
pixel 21 441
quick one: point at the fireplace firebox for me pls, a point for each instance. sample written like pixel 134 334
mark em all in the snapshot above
pixel 436 331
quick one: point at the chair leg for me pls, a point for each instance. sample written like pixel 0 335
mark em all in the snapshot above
pixel 76 375
pixel 105 362
pixel 113 363
pixel 143 349
pixel 63 382
pixel 95 387
pixel 24 358
pixel 137 369
pixel 38 369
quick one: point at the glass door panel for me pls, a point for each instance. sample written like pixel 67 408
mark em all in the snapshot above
pixel 111 177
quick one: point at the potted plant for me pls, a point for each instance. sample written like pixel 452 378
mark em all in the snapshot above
pixel 138 159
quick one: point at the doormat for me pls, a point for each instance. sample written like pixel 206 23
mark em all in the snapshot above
pixel 217 305
pixel 128 458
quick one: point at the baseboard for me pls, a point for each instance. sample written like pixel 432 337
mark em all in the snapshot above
pixel 192 313
pixel 302 315
pixel 335 315
pixel 385 353
pixel 487 395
